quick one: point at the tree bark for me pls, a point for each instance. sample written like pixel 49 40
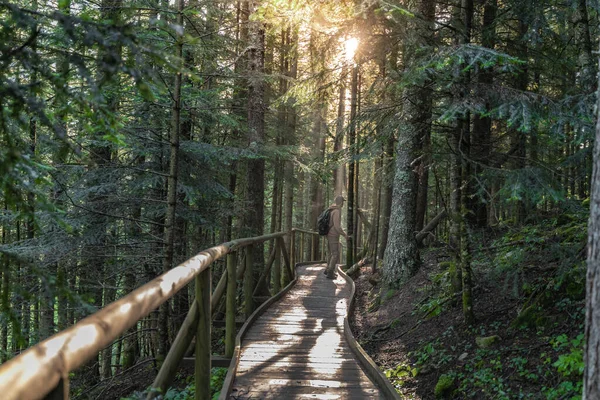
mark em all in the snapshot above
pixel 482 125
pixel 401 259
pixel 591 358
pixel 5 292
pixel 518 138
pixel 255 189
pixel 350 242
pixel 339 173
pixel 386 208
pixel 163 327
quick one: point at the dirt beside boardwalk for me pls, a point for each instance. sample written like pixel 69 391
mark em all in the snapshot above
pixel 398 334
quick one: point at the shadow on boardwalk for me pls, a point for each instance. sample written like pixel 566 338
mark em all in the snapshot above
pixel 297 349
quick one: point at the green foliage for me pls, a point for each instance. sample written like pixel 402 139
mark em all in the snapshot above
pixel 444 386
pixel 388 295
pixel 569 364
pixel 400 374
pixel 188 392
pixel 432 353
pixel 217 378
pixel 67 38
pixel 555 244
pixel 431 308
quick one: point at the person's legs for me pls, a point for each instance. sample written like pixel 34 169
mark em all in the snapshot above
pixel 334 254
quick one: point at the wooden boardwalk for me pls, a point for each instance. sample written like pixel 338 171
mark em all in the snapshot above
pixel 297 348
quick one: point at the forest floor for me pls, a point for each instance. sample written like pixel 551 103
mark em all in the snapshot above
pixel 529 304
pixel 133 384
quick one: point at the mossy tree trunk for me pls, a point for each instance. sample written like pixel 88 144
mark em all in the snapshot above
pixel 401 258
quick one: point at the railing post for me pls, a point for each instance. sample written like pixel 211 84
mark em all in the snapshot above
pixel 60 392
pixel 302 237
pixel 292 250
pixel 203 342
pixel 277 269
pixel 249 283
pixel 230 305
pixel 288 273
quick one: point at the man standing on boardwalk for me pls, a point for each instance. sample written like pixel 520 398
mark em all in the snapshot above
pixel 333 236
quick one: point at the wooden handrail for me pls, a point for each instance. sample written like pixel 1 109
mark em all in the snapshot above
pixel 305 231
pixel 45 367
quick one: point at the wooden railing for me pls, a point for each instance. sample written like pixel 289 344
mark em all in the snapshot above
pixel 42 371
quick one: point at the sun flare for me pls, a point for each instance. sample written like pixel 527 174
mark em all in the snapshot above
pixel 350 46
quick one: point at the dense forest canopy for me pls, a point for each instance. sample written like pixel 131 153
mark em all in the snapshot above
pixel 136 133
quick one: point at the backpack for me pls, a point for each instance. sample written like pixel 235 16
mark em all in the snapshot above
pixel 323 222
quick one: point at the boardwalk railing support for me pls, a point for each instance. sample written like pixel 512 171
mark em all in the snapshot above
pixel 182 341
pixel 203 342
pixel 60 392
pixel 301 245
pixel 263 280
pixel 288 275
pixel 249 282
pixel 292 253
pixel 277 269
pixel 230 305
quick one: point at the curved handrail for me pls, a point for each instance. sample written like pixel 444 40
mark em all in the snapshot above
pixel 367 362
pixel 39 370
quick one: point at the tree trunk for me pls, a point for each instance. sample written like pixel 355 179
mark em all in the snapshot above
pixel 424 138
pixel 482 125
pixel 350 242
pixel 5 293
pixel 256 133
pixel 587 66
pixel 461 179
pixel 339 173
pixel 591 358
pixel 518 138
pixel 401 259
pixel 163 324
pixel 386 208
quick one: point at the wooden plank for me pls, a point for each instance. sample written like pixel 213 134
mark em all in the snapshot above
pixel 304 393
pixel 300 358
pixel 283 364
pixel 304 346
pixel 299 345
pixel 314 383
pixel 221 323
pixel 317 312
pixel 349 378
pixel 215 361
pixel 297 348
